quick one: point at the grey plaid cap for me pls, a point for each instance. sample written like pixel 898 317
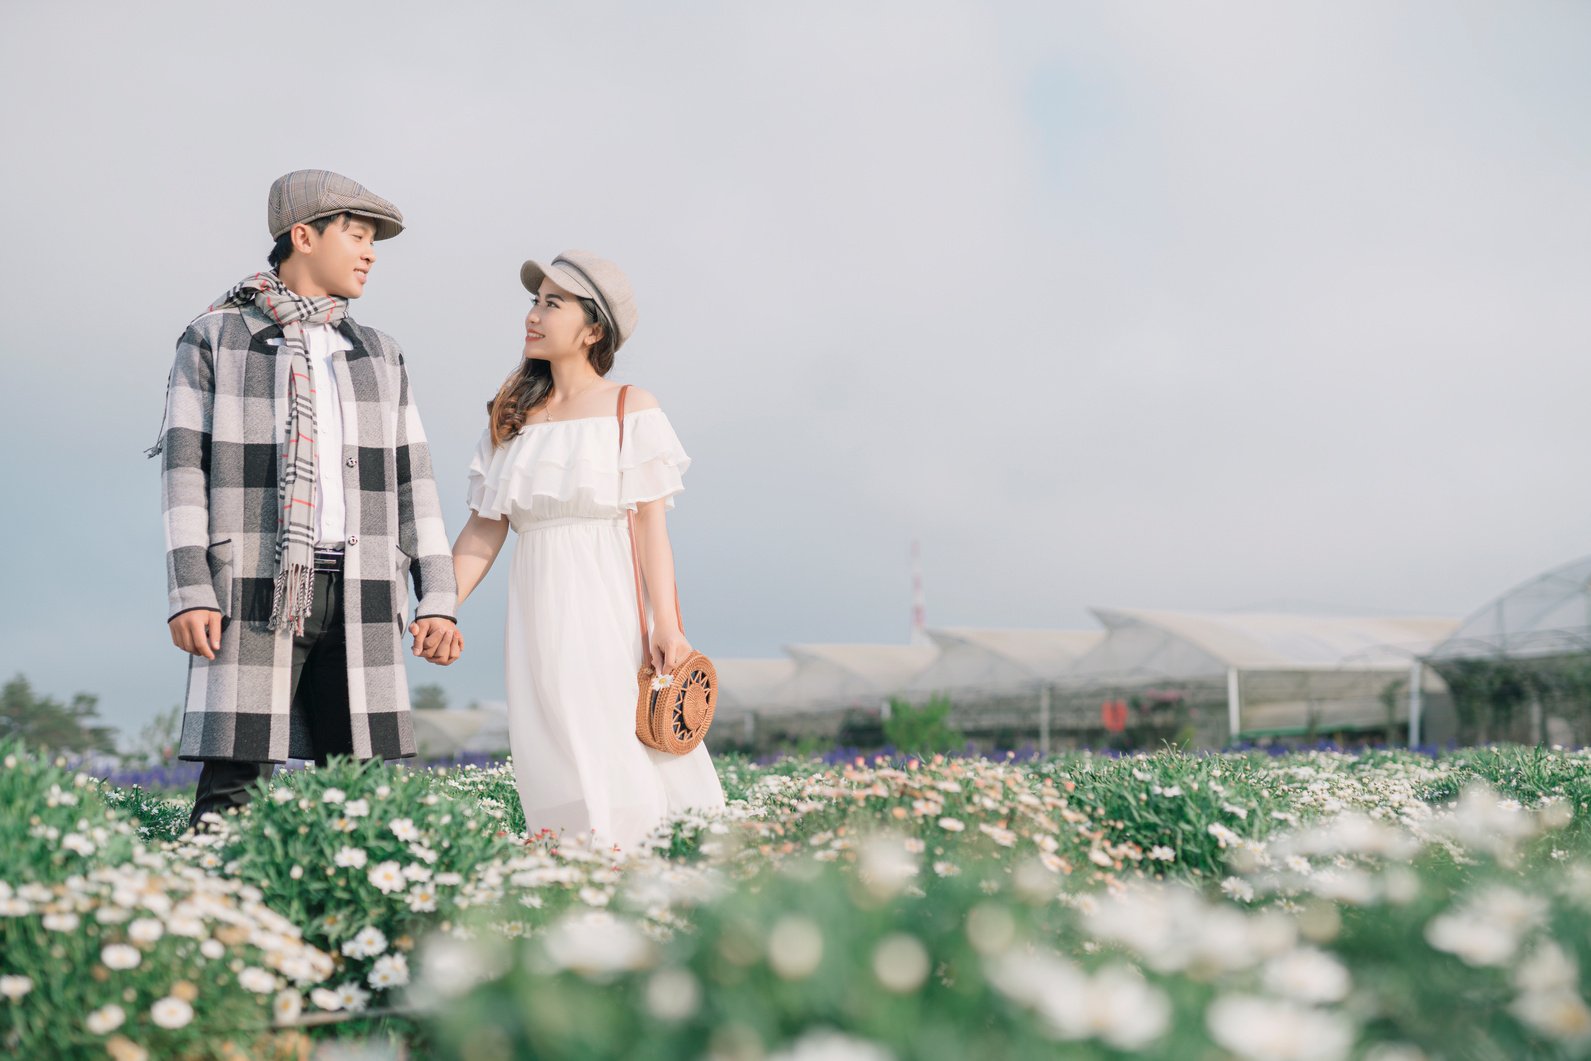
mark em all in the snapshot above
pixel 306 194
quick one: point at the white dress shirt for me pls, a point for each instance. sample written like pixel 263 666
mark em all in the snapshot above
pixel 324 343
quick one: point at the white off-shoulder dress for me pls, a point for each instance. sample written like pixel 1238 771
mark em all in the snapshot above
pixel 573 643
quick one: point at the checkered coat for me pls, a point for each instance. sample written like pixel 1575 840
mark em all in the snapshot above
pixel 226 414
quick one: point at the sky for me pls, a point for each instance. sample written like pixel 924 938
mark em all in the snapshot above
pixel 1205 307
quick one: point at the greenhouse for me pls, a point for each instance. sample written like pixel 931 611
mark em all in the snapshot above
pixel 1000 682
pixel 827 678
pixel 1520 667
pixel 999 661
pixel 820 691
pixel 1216 677
pixel 745 687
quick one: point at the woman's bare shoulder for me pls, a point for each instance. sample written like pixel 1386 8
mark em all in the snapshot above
pixel 639 398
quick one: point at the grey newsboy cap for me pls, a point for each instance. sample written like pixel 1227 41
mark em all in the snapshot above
pixel 596 278
pixel 307 194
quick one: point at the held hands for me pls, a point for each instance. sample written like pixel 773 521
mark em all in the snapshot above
pixel 669 649
pixel 197 632
pixel 436 640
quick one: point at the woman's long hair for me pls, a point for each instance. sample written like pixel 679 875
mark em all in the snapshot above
pixel 530 384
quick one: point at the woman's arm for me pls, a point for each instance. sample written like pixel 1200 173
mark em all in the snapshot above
pixel 477 546
pixel 669 647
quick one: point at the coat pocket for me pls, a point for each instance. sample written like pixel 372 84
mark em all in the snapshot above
pixel 219 554
pixel 401 563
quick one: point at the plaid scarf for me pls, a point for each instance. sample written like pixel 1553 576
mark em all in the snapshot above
pixel 295 537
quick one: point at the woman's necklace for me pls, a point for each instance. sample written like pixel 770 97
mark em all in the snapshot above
pixel 546 409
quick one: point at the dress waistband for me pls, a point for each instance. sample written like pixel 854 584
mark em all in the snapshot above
pixel 572 521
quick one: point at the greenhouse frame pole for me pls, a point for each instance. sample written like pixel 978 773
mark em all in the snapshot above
pixel 1416 701
pixel 1234 706
pixel 1044 720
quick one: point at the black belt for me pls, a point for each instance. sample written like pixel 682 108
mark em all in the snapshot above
pixel 328 560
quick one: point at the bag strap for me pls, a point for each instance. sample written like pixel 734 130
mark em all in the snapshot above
pixel 635 557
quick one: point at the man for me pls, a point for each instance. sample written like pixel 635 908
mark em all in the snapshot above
pixel 297 496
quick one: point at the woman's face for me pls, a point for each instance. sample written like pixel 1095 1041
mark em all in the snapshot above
pixel 556 326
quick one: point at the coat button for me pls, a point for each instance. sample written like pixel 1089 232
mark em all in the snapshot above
pixel 353 539
pixel 350 462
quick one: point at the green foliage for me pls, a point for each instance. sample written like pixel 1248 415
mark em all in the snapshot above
pixel 428 697
pixel 882 958
pixel 924 730
pixel 1529 775
pixel 1155 906
pixel 55 824
pixel 157 817
pixel 46 723
pixel 760 967
pixel 1171 800
pixel 355 848
pixel 93 924
pixel 157 742
pixel 493 788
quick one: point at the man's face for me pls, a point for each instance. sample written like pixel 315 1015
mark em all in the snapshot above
pixel 338 260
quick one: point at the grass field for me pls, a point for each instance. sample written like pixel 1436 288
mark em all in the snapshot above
pixel 1383 905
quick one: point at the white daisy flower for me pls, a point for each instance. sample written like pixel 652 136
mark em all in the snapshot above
pixel 171 1012
pixel 350 857
pixel 326 999
pixel 287 1006
pixel 257 980
pixel 387 876
pixel 353 997
pixel 105 1020
pixel 145 930
pixel 390 970
pixel 77 843
pixel 367 944
pixel 120 956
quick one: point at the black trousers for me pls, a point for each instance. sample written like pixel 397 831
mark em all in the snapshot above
pixel 320 693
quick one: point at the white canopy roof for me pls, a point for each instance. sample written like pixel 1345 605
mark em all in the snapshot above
pixel 1549 615
pixel 995 659
pixel 1159 644
pixel 830 675
pixel 751 684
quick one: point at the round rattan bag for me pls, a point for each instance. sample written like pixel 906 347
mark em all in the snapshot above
pixel 675 708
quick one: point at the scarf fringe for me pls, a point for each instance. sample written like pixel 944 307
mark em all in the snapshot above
pixel 293 598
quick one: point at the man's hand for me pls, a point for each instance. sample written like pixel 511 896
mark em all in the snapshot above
pixel 437 640
pixel 197 631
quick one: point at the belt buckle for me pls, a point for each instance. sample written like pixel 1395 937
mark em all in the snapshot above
pixel 328 559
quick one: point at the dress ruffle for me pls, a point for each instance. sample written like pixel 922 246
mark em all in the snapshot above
pixel 574 460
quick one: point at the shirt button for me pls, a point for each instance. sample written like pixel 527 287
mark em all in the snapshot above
pixel 350 462
pixel 353 539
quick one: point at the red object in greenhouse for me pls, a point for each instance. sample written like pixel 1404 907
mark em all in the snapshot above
pixel 1113 713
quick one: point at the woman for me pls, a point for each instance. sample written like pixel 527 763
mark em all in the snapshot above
pixel 549 465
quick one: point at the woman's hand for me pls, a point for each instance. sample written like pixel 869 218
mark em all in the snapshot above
pixel 669 649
